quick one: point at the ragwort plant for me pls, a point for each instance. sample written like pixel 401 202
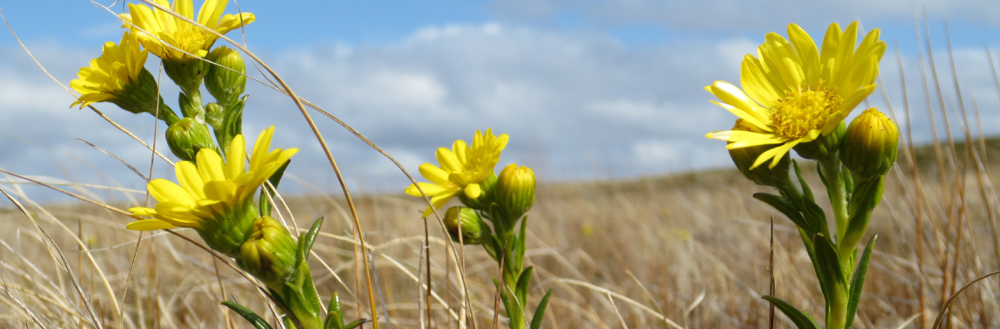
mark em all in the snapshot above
pixel 796 96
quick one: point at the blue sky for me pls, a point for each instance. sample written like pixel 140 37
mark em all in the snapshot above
pixel 587 89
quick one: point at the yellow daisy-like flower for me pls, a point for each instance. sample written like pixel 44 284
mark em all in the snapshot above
pixel 160 25
pixel 462 169
pixel 796 93
pixel 116 69
pixel 214 196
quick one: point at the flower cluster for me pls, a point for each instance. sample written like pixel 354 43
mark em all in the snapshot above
pixel 466 171
pixel 217 180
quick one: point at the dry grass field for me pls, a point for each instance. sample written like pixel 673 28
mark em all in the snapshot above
pixel 689 250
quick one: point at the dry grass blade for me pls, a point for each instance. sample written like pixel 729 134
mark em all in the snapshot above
pixel 947 304
pixel 57 254
pixel 620 297
pixel 112 155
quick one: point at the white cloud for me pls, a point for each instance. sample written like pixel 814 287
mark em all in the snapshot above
pixel 575 103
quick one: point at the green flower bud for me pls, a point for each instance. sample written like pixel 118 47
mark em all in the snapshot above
pixel 744 158
pixel 186 137
pixel 515 191
pixel 823 146
pixel 222 82
pixel 269 253
pixel 474 230
pixel 482 202
pixel 870 145
pixel 228 232
pixel 187 72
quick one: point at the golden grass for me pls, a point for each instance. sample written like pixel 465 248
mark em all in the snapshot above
pixel 691 247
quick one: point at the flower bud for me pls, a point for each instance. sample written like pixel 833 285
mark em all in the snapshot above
pixel 187 72
pixel 229 229
pixel 269 253
pixel 186 137
pixel 744 158
pixel 227 82
pixel 474 230
pixel 870 145
pixel 515 191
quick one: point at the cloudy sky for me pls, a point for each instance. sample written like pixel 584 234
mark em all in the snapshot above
pixel 587 89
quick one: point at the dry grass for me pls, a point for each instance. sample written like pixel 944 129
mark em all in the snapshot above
pixel 691 247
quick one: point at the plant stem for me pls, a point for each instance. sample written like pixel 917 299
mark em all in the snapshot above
pixel 837 315
pixel 831 170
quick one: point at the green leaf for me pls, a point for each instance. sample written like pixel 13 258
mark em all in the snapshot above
pixel 334 314
pixel 536 320
pixel 255 320
pixel 306 241
pixel 858 282
pixel 785 207
pixel 802 320
pixel 522 285
pixel 355 323
pixel 829 273
pixel 806 191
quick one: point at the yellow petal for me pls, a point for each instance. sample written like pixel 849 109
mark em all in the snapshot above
pixel 439 200
pixel 805 47
pixel 163 191
pixel 190 180
pixel 473 191
pixel 149 225
pixel 449 160
pixel 236 157
pixel 774 154
pixel 210 12
pixel 428 188
pixel 260 148
pixel 434 174
pixel 210 166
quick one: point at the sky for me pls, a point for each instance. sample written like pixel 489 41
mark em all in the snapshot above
pixel 586 89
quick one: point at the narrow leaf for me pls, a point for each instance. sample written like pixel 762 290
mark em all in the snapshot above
pixel 536 320
pixel 785 207
pixel 255 320
pixel 806 191
pixel 307 239
pixel 801 319
pixel 858 282
pixel 356 323
pixel 522 285
pixel 334 315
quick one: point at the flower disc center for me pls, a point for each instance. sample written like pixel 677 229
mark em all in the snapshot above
pixel 803 111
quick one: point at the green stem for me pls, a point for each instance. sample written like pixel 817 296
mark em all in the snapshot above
pixel 831 170
pixel 836 316
pixel 166 113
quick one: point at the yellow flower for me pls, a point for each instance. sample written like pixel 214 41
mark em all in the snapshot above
pixel 462 169
pixel 161 26
pixel 796 93
pixel 108 75
pixel 212 189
